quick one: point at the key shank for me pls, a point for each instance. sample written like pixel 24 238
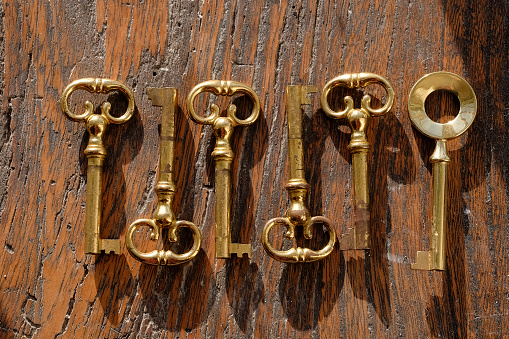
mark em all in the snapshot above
pixel 165 187
pixel 96 153
pixel 358 237
pixel 434 259
pixel 223 157
pixel 297 186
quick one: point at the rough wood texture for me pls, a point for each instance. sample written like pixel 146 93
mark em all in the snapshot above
pixel 49 288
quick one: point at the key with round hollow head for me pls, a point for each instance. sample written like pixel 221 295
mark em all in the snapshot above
pixel 434 259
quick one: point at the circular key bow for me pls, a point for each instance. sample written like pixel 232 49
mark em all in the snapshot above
pixel 442 81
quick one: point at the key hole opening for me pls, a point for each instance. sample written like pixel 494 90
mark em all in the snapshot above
pixel 378 95
pixel 280 242
pixel 244 105
pixel 243 102
pixel 119 104
pixel 442 106
pixel 141 239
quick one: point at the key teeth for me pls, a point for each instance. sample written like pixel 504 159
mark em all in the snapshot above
pixel 423 261
pixel 305 90
pixel 240 250
pixel 350 241
pixel 110 245
pixel 156 95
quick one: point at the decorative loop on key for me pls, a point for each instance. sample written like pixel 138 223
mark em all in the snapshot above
pixel 223 155
pixel 163 257
pixel 298 213
pixel 164 217
pixel 96 152
pixel 359 236
pixel 97 85
pixel 225 88
pixel 357 80
pixel 298 254
pixel 441 132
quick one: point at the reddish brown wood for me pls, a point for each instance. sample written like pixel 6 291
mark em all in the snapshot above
pixel 50 288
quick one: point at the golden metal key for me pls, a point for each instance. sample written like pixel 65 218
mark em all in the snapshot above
pixel 165 189
pixel 298 213
pixel 358 237
pixel 96 125
pixel 223 155
pixel 435 258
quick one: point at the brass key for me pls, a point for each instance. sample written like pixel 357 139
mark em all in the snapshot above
pixel 96 125
pixel 223 155
pixel 435 258
pixel 358 237
pixel 298 213
pixel 165 189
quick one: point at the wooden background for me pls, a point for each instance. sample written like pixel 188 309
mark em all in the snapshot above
pixel 49 288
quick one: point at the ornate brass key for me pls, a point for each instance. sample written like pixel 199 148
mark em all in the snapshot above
pixel 358 237
pixel 165 189
pixel 435 258
pixel 297 214
pixel 223 155
pixel 96 125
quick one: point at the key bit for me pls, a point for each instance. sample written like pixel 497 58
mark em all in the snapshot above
pixel 95 152
pixel 223 155
pixel 298 213
pixel 434 259
pixel 240 249
pixel 358 237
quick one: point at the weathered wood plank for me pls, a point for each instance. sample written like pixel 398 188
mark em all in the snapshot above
pixel 49 288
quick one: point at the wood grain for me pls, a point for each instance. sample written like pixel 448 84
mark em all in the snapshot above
pixel 49 288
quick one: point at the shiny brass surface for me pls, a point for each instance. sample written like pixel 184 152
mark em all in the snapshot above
pixel 298 213
pixel 434 259
pixel 358 237
pixel 223 155
pixel 164 217
pixel 96 125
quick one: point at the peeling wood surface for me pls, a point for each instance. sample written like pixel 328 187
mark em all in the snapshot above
pixel 50 288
